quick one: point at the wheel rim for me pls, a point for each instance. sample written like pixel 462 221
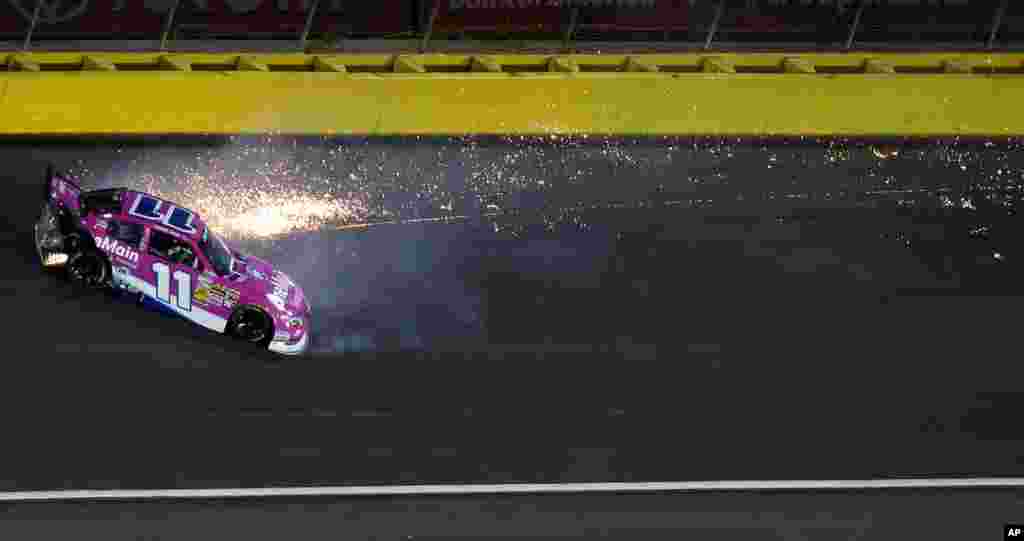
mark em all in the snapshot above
pixel 88 270
pixel 251 326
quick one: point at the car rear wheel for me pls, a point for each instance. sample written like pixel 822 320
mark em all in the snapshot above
pixel 89 269
pixel 251 325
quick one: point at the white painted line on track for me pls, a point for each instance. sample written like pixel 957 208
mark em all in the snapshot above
pixel 514 488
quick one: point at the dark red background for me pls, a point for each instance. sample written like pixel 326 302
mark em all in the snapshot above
pixel 101 20
pixel 379 18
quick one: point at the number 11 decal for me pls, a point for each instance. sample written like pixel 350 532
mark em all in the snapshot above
pixel 163 286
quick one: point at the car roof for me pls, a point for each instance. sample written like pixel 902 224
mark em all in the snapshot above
pixel 129 198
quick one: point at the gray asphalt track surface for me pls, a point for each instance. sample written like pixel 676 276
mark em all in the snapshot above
pixel 615 310
pixel 787 517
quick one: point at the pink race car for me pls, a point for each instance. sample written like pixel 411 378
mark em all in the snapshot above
pixel 133 242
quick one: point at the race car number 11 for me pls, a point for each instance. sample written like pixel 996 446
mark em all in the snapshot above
pixel 150 208
pixel 163 286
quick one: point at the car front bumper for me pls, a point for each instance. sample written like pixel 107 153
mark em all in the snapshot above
pixel 49 242
pixel 285 348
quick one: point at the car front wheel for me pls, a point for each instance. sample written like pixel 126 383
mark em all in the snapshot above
pixel 89 269
pixel 251 325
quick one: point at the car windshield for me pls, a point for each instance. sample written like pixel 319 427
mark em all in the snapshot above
pixel 217 252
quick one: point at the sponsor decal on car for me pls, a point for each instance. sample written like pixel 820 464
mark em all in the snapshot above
pixel 281 285
pixel 217 294
pixel 201 295
pixel 122 277
pixel 116 248
pixel 231 298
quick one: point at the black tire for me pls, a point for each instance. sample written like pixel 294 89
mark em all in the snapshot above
pixel 89 269
pixel 251 324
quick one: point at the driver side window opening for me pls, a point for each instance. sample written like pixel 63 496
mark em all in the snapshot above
pixel 171 249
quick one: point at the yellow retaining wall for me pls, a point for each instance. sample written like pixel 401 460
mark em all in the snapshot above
pixel 651 94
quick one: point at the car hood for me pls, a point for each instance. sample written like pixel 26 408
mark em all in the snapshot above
pixel 264 285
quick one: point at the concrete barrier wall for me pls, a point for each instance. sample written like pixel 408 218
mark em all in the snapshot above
pixel 932 94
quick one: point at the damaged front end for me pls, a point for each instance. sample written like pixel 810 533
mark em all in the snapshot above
pixel 51 243
pixel 55 235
